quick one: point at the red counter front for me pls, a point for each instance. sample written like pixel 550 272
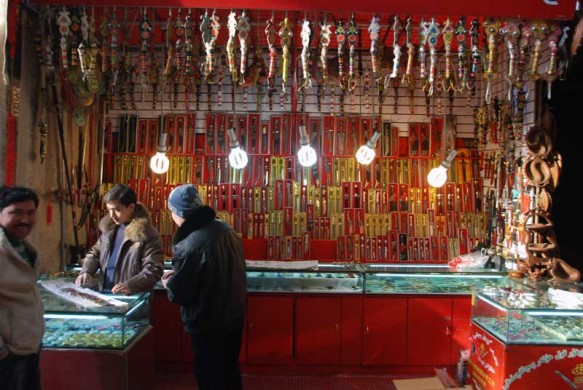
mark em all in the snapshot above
pixel 494 365
pixel 92 369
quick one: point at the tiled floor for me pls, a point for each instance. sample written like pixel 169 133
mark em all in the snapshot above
pixel 183 381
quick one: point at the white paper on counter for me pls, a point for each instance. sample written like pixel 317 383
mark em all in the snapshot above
pixel 565 299
pixel 79 295
pixel 272 264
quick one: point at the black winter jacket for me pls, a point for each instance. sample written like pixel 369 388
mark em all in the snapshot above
pixel 209 282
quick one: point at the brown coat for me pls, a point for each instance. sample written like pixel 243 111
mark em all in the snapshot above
pixel 21 310
pixel 141 260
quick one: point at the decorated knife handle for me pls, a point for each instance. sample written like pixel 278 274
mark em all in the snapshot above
pixel 397 56
pixel 410 55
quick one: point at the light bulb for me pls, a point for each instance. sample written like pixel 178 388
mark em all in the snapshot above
pixel 366 153
pixel 238 157
pixel 160 163
pixel 437 176
pixel 306 155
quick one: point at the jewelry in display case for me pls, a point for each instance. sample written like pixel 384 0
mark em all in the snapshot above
pixel 72 323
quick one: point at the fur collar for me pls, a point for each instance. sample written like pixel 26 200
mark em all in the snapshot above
pixel 199 218
pixel 139 229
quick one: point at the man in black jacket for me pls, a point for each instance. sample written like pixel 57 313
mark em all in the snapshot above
pixel 209 282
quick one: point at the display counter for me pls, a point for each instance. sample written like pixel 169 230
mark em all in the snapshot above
pixel 527 335
pixel 520 315
pixel 351 278
pixel 324 278
pixel 426 279
pixel 96 341
pixel 79 318
pixel 300 317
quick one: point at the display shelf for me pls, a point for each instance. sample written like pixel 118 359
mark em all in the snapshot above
pixel 426 279
pixel 517 314
pixel 70 325
pixel 326 278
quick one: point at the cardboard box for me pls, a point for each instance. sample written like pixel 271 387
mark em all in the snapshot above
pixel 431 383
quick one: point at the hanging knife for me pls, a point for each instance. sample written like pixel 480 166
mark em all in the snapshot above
pixel 315 133
pixel 394 76
pixel 253 134
pixel 276 135
pixel 266 171
pixel 211 167
pixel 340 136
pixel 221 135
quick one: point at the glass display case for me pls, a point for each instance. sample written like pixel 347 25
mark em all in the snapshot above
pixel 100 326
pixel 518 314
pixel 323 278
pixel 426 279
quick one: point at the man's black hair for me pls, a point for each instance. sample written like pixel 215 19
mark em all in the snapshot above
pixel 15 194
pixel 123 193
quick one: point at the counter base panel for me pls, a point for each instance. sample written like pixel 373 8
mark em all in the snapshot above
pixel 129 369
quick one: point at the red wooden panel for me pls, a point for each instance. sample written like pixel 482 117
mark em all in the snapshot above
pixel 165 318
pixel 10 156
pixel 128 369
pixel 460 322
pixel 429 331
pixel 270 329
pixel 69 368
pixel 243 353
pixel 351 352
pixel 487 364
pixel 318 329
pixel 186 354
pixel 324 250
pixel 385 331
pixel 139 364
pixel 255 249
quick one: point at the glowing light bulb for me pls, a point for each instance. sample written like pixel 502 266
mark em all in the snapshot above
pixel 366 153
pixel 438 175
pixel 238 157
pixel 159 163
pixel 306 155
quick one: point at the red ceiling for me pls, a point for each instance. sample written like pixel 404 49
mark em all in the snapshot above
pixel 526 9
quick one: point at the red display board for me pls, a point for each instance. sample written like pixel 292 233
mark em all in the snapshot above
pixel 494 365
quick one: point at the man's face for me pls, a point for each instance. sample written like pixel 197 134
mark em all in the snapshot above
pixel 120 213
pixel 18 219
pixel 177 220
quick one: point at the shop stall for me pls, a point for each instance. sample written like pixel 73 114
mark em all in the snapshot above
pixel 375 142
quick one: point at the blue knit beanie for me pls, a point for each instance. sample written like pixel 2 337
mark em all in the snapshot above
pixel 183 199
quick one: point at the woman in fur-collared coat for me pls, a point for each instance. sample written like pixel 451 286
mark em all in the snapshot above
pixel 129 253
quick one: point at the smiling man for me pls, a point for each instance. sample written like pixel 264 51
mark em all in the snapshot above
pixel 21 310
pixel 129 251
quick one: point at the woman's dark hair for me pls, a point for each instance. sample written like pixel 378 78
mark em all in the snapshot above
pixel 123 193
pixel 9 195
